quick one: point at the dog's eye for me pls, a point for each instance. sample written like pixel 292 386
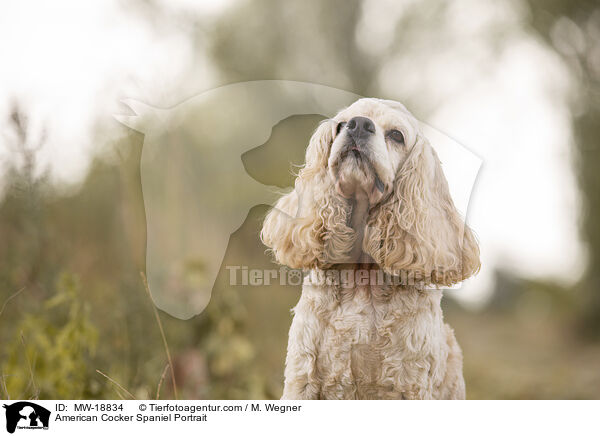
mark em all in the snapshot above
pixel 339 127
pixel 396 136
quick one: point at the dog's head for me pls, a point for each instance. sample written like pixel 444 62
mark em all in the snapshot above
pixel 373 149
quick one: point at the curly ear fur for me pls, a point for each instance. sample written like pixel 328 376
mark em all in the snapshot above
pixel 308 228
pixel 418 230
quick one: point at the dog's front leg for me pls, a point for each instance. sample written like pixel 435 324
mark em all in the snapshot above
pixel 301 377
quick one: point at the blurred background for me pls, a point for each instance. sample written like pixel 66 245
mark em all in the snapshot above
pixel 516 82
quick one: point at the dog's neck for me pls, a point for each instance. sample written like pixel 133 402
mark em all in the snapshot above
pixel 359 206
pixel 358 263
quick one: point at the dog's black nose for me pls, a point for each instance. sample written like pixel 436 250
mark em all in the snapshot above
pixel 360 127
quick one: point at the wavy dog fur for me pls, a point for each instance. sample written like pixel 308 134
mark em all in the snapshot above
pixel 374 340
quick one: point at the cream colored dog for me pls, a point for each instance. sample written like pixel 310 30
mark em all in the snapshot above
pixel 373 222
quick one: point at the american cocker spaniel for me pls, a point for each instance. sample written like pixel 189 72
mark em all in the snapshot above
pixel 372 223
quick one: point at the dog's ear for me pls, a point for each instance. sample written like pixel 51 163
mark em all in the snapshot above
pixel 418 231
pixel 307 228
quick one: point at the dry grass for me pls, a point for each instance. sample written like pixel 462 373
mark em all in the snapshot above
pixel 168 366
pixel 114 382
pixel 162 334
pixel 160 382
pixel 36 391
pixel 10 298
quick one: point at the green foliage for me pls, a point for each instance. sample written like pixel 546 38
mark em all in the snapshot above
pixel 49 356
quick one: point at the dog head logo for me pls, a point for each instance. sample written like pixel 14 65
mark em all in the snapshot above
pixel 195 186
pixel 26 415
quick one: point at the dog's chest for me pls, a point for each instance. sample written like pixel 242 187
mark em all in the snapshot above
pixel 372 339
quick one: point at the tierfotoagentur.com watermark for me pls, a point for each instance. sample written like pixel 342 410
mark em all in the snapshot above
pixel 242 275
